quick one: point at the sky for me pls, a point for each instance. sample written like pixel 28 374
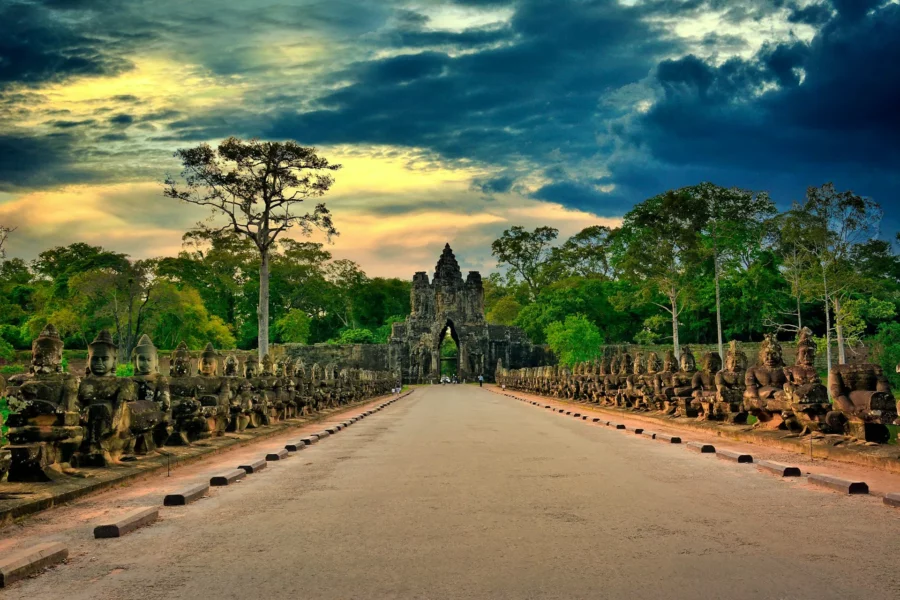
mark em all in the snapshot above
pixel 453 120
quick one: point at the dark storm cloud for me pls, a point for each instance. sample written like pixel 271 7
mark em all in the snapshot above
pixel 37 160
pixel 527 98
pixel 831 116
pixel 39 45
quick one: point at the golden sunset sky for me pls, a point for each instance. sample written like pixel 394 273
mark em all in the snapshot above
pixel 453 120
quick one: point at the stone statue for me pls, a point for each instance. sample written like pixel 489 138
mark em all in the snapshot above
pixel 803 390
pixel 180 362
pixel 665 382
pixel 679 404
pixel 730 387
pixel 704 386
pixel 45 428
pixel 105 413
pixel 863 398
pixel 151 413
pixel 261 413
pixel 213 392
pixel 764 396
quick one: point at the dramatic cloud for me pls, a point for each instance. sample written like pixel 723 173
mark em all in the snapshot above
pixel 454 117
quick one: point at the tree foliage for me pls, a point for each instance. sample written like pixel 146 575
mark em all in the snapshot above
pixel 574 340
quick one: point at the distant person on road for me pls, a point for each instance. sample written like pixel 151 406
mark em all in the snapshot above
pixel 480 380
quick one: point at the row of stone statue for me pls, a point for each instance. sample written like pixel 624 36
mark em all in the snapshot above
pixel 778 396
pixel 62 421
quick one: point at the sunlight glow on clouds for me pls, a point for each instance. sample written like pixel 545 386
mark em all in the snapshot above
pixel 453 119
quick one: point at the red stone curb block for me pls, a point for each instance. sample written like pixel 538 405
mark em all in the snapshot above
pixel 595 420
pixel 254 467
pixel 277 455
pixel 322 434
pixel 738 457
pixel 576 415
pixel 649 434
pixel 19 565
pixel 779 469
pixel 700 447
pixel 838 484
pixel 617 425
pixel 584 418
pixel 892 500
pixel 186 495
pixel 548 406
pixel 310 439
pixel 669 439
pixel 332 430
pixel 295 446
pixel 634 430
pixel 128 523
pixel 228 477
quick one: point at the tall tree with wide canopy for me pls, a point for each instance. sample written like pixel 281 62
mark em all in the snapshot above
pixel 259 188
pixel 733 231
pixel 527 254
pixel 659 248
pixel 831 228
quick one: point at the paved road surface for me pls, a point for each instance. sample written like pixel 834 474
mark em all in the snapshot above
pixel 455 492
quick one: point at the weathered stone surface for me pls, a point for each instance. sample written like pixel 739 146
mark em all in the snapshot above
pixel 186 495
pixel 649 434
pixel 635 430
pixel 228 477
pixel 836 483
pixel 617 425
pixel 738 457
pixel 15 566
pixel 295 446
pixel 779 469
pixel 668 439
pixel 310 439
pixel 277 455
pixel 254 466
pixel 892 500
pixel 127 522
pixel 700 447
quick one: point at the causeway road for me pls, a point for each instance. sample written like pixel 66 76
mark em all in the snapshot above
pixel 458 492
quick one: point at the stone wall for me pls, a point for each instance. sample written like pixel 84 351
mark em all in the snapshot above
pixel 352 356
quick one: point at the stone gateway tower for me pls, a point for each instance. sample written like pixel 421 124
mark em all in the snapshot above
pixel 449 305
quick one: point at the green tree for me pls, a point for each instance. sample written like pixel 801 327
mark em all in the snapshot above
pixel 527 254
pixel 829 228
pixel 293 327
pixel 587 253
pixel 505 311
pixel 574 340
pixel 732 232
pixel 355 336
pixel 659 248
pixel 258 187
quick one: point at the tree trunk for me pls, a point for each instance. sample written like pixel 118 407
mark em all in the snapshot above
pixel 675 341
pixel 842 352
pixel 799 316
pixel 719 309
pixel 262 310
pixel 827 324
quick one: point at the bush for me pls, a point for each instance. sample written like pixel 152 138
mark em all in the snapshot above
pixel 574 340
pixel 355 336
pixel 293 327
pixel 887 351
pixel 126 370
